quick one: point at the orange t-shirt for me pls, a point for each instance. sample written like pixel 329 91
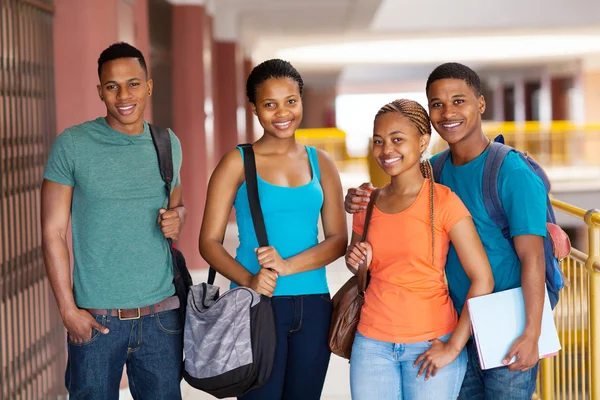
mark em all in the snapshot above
pixel 407 298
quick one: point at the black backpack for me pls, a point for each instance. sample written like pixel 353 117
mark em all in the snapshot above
pixel 181 275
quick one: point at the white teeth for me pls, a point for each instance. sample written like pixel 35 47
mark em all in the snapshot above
pixel 453 125
pixel 125 108
pixel 282 124
pixel 391 160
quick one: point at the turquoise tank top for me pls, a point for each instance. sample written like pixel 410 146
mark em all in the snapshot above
pixel 291 217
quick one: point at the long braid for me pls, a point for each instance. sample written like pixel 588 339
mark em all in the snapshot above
pixel 427 172
pixel 418 116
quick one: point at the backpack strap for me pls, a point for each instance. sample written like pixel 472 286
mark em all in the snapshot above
pixel 438 165
pixel 491 197
pixel 253 201
pixel 162 144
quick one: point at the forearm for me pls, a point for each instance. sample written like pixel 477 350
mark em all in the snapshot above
pixel 533 286
pixel 215 254
pixel 181 210
pixel 326 252
pixel 462 333
pixel 58 269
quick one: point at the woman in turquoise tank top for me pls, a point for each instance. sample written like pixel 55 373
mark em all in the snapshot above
pixel 297 184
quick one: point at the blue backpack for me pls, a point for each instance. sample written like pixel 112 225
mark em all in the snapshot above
pixel 491 198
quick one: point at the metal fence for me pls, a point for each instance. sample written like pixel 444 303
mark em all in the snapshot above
pixel 32 348
pixel 554 144
pixel 574 374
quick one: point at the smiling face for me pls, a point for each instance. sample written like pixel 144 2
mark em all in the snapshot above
pixel 455 109
pixel 397 143
pixel 124 89
pixel 279 106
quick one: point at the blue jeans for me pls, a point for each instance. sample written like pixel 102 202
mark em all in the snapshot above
pixel 384 371
pixel 151 347
pixel 496 383
pixel 302 349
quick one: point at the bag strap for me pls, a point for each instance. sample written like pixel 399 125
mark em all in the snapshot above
pixel 162 143
pixel 361 275
pixel 253 201
pixel 438 165
pixel 491 196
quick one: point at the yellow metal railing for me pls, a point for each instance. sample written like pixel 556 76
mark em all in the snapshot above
pixel 575 372
pixel 559 143
pixel 332 140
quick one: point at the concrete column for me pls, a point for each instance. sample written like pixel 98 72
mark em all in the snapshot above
pixel 590 88
pixel 498 99
pixel 319 107
pixel 590 77
pixel 209 89
pixel 545 97
pixel 228 80
pixel 82 29
pixel 226 100
pixel 142 40
pixel 250 134
pixel 318 99
pixel 189 117
pixel 560 87
pixel 519 93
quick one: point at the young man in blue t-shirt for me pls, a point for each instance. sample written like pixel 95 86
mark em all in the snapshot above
pixel 118 305
pixel 455 106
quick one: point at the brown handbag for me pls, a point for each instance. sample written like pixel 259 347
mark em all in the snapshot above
pixel 348 301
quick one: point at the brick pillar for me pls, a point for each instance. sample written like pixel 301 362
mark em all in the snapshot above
pixel 228 108
pixel 189 119
pixel 250 135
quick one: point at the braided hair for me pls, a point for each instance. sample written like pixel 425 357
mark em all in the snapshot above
pixel 418 116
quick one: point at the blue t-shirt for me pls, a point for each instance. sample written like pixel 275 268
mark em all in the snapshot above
pixel 291 217
pixel 523 198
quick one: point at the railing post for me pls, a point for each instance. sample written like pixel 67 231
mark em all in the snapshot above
pixel 591 219
pixel 547 375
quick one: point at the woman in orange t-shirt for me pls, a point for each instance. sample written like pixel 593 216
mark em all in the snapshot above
pixel 408 325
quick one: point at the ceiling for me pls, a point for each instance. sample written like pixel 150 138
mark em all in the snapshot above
pixel 291 28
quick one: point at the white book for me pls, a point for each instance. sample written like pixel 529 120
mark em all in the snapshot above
pixel 498 319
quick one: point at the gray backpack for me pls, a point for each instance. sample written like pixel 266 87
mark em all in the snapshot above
pixel 229 341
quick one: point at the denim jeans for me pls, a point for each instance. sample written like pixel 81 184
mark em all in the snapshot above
pixel 302 349
pixel 151 347
pixel 384 371
pixel 496 383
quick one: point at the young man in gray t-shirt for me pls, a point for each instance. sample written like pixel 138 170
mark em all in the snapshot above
pixel 118 305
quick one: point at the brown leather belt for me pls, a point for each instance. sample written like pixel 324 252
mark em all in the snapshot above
pixel 170 303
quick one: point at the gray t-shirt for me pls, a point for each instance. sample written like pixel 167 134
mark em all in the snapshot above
pixel 121 258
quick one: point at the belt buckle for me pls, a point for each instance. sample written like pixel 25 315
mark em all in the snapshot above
pixel 139 314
